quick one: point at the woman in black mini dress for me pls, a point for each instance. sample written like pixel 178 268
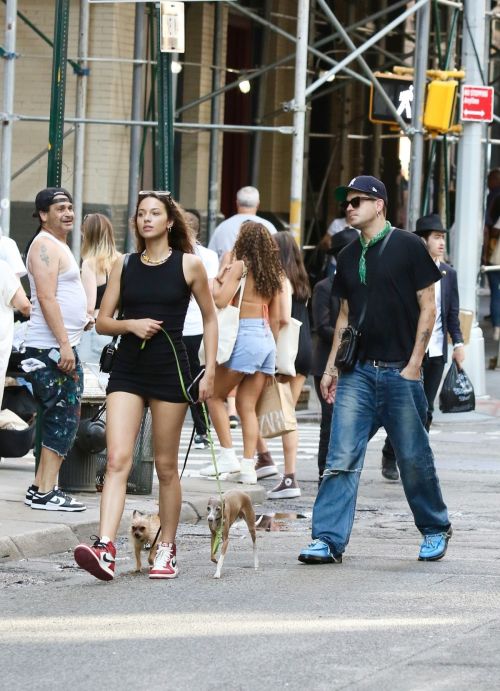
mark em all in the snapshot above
pixel 157 284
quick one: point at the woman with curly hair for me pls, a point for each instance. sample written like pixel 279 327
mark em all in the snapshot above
pixel 98 254
pixel 147 370
pixel 254 353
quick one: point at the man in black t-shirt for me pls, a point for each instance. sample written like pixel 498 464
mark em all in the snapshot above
pixel 385 283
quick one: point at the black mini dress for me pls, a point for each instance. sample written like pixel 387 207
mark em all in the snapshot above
pixel 154 292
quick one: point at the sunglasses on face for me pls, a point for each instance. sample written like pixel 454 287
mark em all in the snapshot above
pixel 355 202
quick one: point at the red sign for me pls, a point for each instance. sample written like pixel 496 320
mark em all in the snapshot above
pixel 476 103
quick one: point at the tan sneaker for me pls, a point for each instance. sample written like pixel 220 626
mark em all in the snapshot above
pixel 265 466
pixel 287 489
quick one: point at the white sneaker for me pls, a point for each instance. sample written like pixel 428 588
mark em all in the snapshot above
pixel 247 475
pixel 227 462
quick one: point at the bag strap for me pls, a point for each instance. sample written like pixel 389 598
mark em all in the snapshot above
pixel 120 299
pixel 241 288
pixel 382 248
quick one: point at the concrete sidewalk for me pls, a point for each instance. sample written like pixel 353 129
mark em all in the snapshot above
pixel 25 533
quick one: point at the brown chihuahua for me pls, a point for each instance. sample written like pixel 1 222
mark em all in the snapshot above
pixel 144 530
pixel 236 504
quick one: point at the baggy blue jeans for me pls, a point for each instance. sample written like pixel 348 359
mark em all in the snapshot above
pixel 367 398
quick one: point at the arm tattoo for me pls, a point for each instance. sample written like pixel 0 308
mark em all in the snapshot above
pixel 425 336
pixel 44 256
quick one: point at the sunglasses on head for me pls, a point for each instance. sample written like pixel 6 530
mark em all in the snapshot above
pixel 161 194
pixel 355 202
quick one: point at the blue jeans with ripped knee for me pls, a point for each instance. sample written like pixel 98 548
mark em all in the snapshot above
pixel 367 398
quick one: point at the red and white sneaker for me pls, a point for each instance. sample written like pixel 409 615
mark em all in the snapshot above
pixel 98 560
pixel 165 565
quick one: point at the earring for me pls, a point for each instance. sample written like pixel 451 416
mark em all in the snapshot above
pixel 169 228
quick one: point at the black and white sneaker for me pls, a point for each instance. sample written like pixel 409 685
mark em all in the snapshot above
pixel 56 500
pixel 30 493
pixel 201 441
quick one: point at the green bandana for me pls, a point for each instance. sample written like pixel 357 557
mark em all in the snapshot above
pixel 366 245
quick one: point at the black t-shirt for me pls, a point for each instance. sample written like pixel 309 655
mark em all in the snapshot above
pixel 389 328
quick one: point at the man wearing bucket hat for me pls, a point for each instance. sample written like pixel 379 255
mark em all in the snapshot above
pixel 57 321
pixel 432 231
pixel 385 283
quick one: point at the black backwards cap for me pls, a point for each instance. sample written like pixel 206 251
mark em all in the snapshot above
pixel 49 196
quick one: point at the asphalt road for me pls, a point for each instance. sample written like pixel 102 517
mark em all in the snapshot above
pixel 381 620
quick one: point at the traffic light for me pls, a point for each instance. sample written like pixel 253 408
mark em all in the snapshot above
pixel 400 92
pixel 440 105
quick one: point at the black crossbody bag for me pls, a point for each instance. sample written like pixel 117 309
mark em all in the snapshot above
pixel 109 351
pixel 347 352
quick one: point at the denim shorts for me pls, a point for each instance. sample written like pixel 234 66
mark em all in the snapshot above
pixel 255 348
pixel 59 396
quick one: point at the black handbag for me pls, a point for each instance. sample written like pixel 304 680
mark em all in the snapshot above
pixel 347 352
pixel 109 351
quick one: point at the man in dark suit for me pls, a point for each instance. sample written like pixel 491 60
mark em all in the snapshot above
pixel 431 230
pixel 325 310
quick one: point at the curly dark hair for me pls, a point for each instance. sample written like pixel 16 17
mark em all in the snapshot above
pixel 255 246
pixel 293 265
pixel 179 237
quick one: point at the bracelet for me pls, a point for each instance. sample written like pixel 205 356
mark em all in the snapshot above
pixel 331 374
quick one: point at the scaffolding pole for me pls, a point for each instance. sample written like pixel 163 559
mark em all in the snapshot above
pixel 365 46
pixel 365 67
pixel 417 141
pixel 299 120
pixel 8 105
pixel 470 190
pixel 136 130
pixel 58 94
pixel 213 166
pixel 165 179
pixel 80 112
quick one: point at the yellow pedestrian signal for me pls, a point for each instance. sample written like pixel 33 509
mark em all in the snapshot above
pixel 440 105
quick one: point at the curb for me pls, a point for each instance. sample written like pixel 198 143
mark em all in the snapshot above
pixel 63 538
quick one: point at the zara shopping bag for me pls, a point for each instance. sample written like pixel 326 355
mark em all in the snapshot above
pixel 228 319
pixel 275 410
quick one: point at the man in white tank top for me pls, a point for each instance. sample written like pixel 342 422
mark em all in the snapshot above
pixel 57 321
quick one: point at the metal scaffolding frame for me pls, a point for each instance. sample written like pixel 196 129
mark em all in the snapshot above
pixel 303 94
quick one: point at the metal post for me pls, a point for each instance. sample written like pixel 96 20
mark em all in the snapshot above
pixel 213 168
pixel 417 144
pixel 136 130
pixel 299 119
pixel 8 107
pixel 58 93
pixel 165 113
pixel 470 190
pixel 80 112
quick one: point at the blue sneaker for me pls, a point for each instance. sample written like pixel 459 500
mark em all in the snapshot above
pixel 319 552
pixel 434 547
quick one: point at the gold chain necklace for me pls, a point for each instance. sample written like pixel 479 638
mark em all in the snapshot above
pixel 154 262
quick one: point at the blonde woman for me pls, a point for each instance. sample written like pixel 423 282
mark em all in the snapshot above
pixel 99 254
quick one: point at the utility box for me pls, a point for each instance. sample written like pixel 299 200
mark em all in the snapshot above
pixel 440 105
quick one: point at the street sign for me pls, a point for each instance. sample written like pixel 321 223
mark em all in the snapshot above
pixel 399 91
pixel 476 103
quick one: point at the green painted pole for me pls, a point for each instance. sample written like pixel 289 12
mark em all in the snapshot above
pixel 58 94
pixel 165 134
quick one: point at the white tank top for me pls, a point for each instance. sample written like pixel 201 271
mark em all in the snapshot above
pixel 71 298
